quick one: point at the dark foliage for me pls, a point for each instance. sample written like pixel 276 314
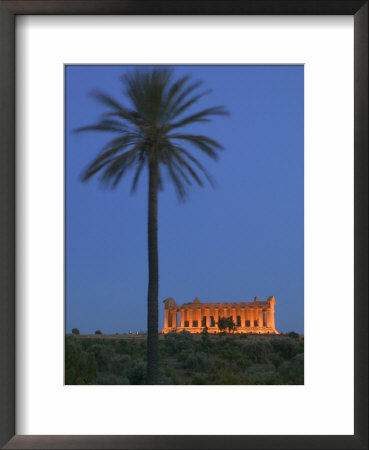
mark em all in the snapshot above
pixel 187 359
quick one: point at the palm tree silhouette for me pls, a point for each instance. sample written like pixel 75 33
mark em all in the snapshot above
pixel 146 134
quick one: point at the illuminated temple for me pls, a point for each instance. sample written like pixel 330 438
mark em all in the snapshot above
pixel 249 317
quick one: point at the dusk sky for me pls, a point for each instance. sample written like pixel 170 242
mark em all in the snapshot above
pixel 245 238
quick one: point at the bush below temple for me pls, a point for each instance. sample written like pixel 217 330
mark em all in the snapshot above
pixel 185 358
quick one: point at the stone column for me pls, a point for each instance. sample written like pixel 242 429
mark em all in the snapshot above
pixel 174 318
pixel 271 320
pixel 211 313
pixel 234 315
pixel 268 312
pixel 182 317
pixel 198 315
pixel 251 317
pixel 207 315
pixel 165 318
pixel 243 317
pixel 260 317
pixel 216 316
pixel 256 314
pixel 189 316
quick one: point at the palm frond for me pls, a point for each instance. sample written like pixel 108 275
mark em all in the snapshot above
pixel 105 125
pixel 176 87
pixel 117 167
pixel 107 158
pixel 176 101
pixel 197 163
pixel 202 116
pixel 141 165
pixel 204 143
pixel 146 90
pixel 178 185
pixel 181 108
pixel 106 100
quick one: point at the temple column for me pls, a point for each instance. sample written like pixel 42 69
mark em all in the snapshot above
pixel 182 317
pixel 165 318
pixel 256 315
pixel 252 317
pixel 247 315
pixel 243 319
pixel 189 317
pixel 198 315
pixel 260 317
pixel 234 315
pixel 174 318
pixel 210 314
pixel 207 315
pixel 264 319
pixel 216 316
pixel 271 318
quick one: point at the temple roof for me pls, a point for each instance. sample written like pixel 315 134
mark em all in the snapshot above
pixel 170 303
pixel 225 304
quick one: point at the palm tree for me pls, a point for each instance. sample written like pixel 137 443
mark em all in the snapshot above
pixel 146 134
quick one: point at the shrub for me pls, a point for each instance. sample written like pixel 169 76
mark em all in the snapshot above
pixel 166 376
pixel 263 378
pixel 98 332
pixel 293 335
pixel 137 373
pixel 228 376
pixel 226 323
pixel 219 364
pixel 230 349
pixel 243 363
pixel 80 367
pixel 120 364
pixel 199 378
pixel 292 372
pixel 277 361
pixel 75 331
pixel 175 342
pixel 286 347
pixel 183 355
pixel 257 351
pixel 127 347
pixel 198 362
pixel 103 354
pixel 109 379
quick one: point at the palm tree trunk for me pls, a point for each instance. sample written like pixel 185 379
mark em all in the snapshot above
pixel 153 289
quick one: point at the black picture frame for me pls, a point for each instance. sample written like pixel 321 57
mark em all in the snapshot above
pixel 8 12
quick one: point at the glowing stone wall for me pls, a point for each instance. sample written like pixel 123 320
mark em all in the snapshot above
pixel 249 317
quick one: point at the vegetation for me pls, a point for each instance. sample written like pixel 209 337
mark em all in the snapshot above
pixel 147 134
pixel 75 330
pixel 98 332
pixel 293 334
pixel 185 358
pixel 226 323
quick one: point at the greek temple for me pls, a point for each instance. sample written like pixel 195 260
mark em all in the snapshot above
pixel 249 317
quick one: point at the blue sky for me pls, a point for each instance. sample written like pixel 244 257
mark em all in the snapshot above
pixel 245 238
